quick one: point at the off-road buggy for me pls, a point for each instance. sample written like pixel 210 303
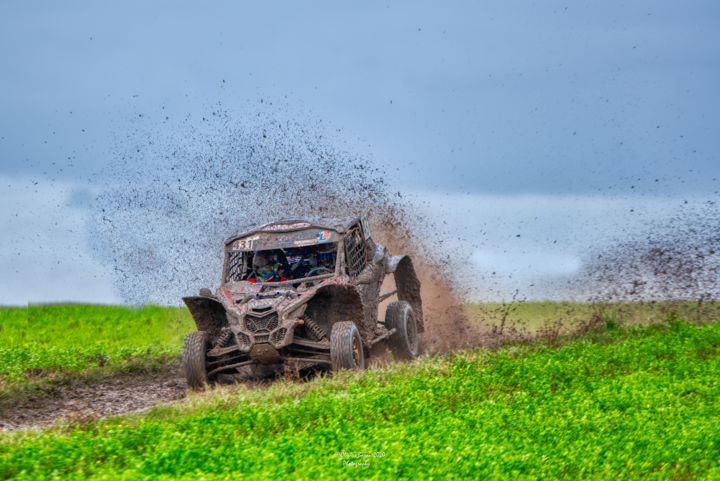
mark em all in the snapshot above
pixel 322 311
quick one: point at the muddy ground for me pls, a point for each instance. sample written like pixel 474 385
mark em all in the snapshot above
pixel 83 401
pixel 448 329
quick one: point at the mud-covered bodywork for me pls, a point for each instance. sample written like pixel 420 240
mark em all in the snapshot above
pixel 290 319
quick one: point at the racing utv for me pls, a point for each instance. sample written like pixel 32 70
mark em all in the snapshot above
pixel 301 293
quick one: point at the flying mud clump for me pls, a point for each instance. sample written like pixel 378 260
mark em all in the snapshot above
pixel 178 190
pixel 679 259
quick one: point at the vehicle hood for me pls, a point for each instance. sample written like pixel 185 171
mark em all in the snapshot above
pixel 242 297
pixel 245 297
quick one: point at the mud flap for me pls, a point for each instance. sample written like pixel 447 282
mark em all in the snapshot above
pixel 408 285
pixel 208 313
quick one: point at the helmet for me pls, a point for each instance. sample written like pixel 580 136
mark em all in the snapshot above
pixel 265 266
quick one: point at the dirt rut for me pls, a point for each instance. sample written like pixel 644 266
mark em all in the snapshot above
pixel 87 400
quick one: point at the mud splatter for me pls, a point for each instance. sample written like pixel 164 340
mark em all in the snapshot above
pixel 178 188
pixel 678 259
pixel 178 191
pixel 447 325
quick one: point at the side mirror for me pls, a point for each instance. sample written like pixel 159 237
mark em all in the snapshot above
pixel 205 292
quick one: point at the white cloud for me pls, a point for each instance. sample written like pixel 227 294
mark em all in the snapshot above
pixel 526 263
pixel 45 257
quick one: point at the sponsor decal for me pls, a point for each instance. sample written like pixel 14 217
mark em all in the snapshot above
pixel 283 227
pixel 324 236
pixel 306 242
pixel 226 294
pixel 342 280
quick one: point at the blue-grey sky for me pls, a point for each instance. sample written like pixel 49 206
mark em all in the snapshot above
pixel 513 104
pixel 538 97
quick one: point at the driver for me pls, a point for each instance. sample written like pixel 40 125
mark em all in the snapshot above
pixel 325 255
pixel 296 263
pixel 266 268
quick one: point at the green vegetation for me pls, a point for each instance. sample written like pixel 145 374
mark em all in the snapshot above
pixel 566 316
pixel 42 345
pixel 60 341
pixel 624 403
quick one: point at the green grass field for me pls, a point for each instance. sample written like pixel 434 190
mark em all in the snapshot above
pixel 534 316
pixel 45 345
pixel 638 402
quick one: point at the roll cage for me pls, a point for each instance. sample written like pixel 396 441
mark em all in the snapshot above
pixel 350 253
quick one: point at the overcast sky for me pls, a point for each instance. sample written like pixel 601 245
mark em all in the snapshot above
pixel 503 98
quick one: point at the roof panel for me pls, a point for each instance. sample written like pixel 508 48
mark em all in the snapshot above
pixel 338 224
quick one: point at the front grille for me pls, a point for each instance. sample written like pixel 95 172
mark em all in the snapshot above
pixel 264 324
pixel 278 336
pixel 243 340
pixel 260 338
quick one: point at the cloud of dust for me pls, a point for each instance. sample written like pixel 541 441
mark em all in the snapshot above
pixel 178 191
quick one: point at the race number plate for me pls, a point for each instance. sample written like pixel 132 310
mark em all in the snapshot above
pixel 246 244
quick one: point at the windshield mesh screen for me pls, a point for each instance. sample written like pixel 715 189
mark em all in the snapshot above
pixel 235 266
pixel 355 252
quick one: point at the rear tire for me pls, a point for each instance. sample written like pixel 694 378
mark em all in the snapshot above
pixel 404 342
pixel 194 349
pixel 346 349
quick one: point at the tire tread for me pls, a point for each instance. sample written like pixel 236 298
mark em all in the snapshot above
pixel 397 314
pixel 341 338
pixel 193 359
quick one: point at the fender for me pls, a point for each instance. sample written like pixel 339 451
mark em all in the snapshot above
pixel 208 313
pixel 408 284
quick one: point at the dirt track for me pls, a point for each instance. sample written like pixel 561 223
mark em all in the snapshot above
pixel 84 401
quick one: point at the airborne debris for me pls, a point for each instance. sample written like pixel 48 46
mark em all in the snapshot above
pixel 161 237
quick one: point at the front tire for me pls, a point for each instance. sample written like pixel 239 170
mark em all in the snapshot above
pixel 194 349
pixel 404 342
pixel 346 349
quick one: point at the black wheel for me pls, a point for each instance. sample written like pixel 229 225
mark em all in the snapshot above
pixel 404 342
pixel 346 349
pixel 194 349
